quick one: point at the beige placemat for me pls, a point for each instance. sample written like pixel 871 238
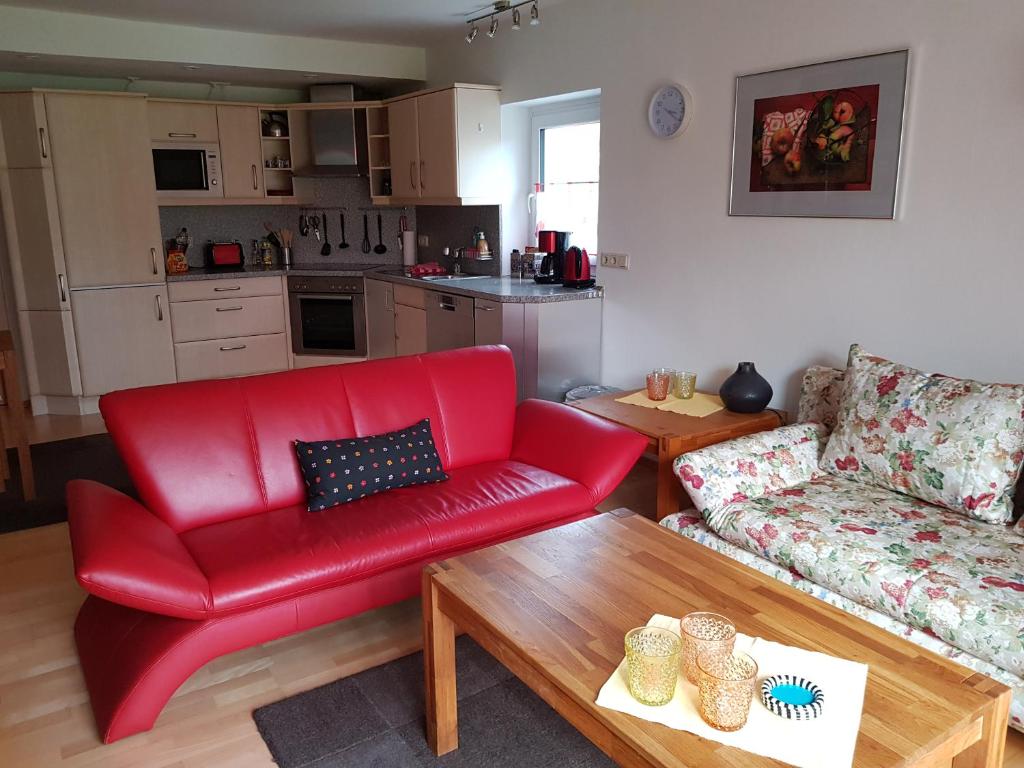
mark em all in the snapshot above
pixel 828 741
pixel 700 405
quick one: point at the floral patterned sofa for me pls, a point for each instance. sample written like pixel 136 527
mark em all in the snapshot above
pixel 794 506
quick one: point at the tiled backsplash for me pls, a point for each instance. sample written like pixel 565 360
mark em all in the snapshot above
pixel 245 223
pixel 454 227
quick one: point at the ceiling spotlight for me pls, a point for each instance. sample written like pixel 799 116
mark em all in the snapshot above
pixel 494 27
pixel 534 15
pixel 515 18
pixel 190 67
pixel 472 34
pixel 311 75
pixel 28 56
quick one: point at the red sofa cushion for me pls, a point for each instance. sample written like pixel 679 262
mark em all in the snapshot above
pixel 286 552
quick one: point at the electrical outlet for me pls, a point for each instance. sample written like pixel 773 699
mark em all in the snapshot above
pixel 423 241
pixel 615 260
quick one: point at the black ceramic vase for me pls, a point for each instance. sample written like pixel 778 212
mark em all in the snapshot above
pixel 746 391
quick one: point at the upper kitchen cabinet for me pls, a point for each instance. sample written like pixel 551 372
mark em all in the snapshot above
pixel 106 194
pixel 445 146
pixel 241 154
pixel 182 121
pixel 26 135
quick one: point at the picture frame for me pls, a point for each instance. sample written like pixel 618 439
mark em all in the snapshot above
pixel 820 140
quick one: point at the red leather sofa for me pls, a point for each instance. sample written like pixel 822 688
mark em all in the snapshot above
pixel 221 554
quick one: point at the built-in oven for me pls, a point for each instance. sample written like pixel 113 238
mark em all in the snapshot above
pixel 187 170
pixel 328 315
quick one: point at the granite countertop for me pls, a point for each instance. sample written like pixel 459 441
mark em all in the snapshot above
pixel 324 269
pixel 507 290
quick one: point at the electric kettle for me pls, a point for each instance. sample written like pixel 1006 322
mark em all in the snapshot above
pixel 576 269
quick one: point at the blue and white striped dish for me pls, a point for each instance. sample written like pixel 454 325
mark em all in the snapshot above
pixel 792 697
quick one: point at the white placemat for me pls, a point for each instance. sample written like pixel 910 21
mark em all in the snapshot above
pixel 825 742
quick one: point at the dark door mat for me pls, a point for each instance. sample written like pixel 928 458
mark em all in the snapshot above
pixel 92 457
pixel 375 720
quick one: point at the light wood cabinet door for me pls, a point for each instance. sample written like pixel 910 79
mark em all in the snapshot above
pixel 479 140
pixel 439 176
pixel 174 121
pixel 380 319
pixel 37 259
pixel 124 338
pixel 405 152
pixel 410 330
pixel 103 170
pixel 25 132
pixel 50 353
pixel 241 153
pixel 487 325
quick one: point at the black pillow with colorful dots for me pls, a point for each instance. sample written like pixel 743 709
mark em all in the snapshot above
pixel 338 471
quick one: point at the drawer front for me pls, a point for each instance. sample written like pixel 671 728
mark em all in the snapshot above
pixel 410 297
pixel 221 358
pixel 223 288
pixel 227 318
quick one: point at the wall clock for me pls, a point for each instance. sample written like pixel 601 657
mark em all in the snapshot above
pixel 670 111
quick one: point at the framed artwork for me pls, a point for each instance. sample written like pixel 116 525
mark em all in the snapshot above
pixel 820 140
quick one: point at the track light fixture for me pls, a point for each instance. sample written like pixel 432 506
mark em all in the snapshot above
pixel 500 7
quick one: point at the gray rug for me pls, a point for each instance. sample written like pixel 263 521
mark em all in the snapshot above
pixel 375 720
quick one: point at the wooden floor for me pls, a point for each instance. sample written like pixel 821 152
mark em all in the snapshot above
pixel 44 713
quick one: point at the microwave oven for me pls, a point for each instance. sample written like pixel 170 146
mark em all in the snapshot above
pixel 187 170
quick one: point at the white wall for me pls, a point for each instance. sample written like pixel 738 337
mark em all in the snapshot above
pixel 938 288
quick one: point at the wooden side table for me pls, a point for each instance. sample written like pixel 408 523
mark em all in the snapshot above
pixel 671 434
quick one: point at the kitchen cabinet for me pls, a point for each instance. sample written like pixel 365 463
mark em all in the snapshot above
pixel 449 321
pixel 380 319
pixel 105 190
pixel 241 152
pixel 124 338
pixel 410 330
pixel 40 276
pixel 181 121
pixel 487 325
pixel 445 145
pixel 25 130
pixel 221 358
pixel 51 358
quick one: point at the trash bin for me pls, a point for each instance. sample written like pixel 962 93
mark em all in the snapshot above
pixel 588 390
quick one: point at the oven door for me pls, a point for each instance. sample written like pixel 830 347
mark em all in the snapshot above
pixel 331 324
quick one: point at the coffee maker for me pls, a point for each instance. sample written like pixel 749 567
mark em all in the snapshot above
pixel 553 244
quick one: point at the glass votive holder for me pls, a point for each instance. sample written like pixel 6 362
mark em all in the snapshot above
pixel 704 633
pixel 684 384
pixel 659 381
pixel 652 664
pixel 726 688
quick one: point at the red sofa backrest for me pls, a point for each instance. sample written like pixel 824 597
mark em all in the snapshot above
pixel 207 451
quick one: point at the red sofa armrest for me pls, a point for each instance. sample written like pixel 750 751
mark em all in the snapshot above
pixel 595 453
pixel 127 555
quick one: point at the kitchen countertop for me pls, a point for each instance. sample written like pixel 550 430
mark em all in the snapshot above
pixel 501 289
pixel 507 290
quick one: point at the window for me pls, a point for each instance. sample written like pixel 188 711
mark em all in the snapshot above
pixel 566 162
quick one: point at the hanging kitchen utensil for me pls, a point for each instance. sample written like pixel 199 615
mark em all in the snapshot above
pixel 315 220
pixel 344 243
pixel 326 250
pixel 380 248
pixel 303 225
pixel 366 233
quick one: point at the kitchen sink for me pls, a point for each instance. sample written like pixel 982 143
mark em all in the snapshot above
pixel 452 277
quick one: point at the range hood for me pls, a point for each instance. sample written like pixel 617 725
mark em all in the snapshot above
pixel 337 137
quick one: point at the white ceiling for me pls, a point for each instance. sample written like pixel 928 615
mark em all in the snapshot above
pixel 403 22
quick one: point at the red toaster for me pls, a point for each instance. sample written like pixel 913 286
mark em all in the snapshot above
pixel 224 255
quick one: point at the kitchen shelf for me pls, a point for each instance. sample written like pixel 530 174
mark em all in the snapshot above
pixel 380 167
pixel 280 170
pixel 276 138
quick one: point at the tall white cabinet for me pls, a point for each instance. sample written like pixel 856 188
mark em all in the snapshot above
pixel 83 233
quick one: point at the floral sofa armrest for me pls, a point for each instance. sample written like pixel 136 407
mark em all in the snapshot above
pixel 751 466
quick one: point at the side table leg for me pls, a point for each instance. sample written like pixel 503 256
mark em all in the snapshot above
pixel 668 484
pixel 439 672
pixel 988 751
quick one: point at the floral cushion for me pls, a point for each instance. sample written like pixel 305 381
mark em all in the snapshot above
pixel 689 524
pixel 952 442
pixel 750 466
pixel 820 394
pixel 923 565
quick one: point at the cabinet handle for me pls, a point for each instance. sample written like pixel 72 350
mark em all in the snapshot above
pixel 228 309
pixel 255 184
pixel 412 173
pixel 228 288
pixel 485 309
pixel 63 289
pixel 423 175
pixel 159 309
pixel 387 300
pixel 152 256
pixel 174 135
pixel 232 349
pixel 42 143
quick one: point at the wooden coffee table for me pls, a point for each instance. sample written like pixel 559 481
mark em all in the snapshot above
pixel 671 434
pixel 554 608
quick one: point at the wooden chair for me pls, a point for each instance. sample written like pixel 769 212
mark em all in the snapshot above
pixel 15 421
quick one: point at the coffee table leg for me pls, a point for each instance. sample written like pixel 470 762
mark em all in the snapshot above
pixel 668 484
pixel 439 670
pixel 988 751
